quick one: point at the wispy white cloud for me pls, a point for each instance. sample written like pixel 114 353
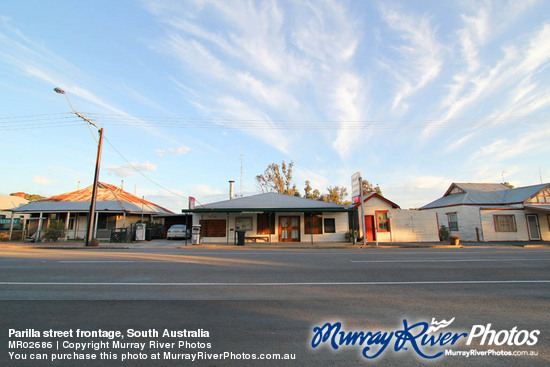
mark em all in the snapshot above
pixel 418 58
pixel 479 79
pixel 128 169
pixel 174 150
pixel 264 131
pixel 349 105
pixel 503 149
pixel 262 67
pixel 205 190
pixel 37 62
pixel 41 180
pixel 179 150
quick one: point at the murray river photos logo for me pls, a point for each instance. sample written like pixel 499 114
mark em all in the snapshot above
pixel 428 341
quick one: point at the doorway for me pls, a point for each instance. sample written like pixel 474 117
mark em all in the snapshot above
pixel 533 227
pixel 370 232
pixel 289 229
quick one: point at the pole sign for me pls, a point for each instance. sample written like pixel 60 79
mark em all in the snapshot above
pixel 191 203
pixel 356 188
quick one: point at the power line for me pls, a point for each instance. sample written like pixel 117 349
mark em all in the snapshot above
pixel 55 120
pixel 143 174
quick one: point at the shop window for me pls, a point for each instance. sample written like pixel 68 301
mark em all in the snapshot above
pixel 313 223
pixel 383 221
pixel 266 223
pixel 330 225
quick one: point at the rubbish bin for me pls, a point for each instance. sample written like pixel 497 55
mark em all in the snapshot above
pixel 196 235
pixel 240 238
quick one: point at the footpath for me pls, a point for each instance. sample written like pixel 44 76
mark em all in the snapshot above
pixel 165 244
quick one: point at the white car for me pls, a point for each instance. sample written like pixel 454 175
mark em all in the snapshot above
pixel 178 231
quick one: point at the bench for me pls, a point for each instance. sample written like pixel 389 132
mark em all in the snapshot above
pixel 256 238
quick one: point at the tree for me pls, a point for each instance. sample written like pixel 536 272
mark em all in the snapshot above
pixel 336 195
pixel 55 230
pixel 29 197
pixel 508 185
pixel 316 195
pixel 308 190
pixel 369 188
pixel 277 179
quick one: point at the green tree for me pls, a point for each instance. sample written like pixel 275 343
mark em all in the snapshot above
pixel 369 188
pixel 311 193
pixel 336 195
pixel 29 197
pixel 277 179
pixel 55 230
pixel 308 190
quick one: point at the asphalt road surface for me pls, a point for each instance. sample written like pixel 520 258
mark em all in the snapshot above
pixel 261 305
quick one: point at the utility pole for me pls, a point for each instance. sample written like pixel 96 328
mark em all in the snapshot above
pixel 91 214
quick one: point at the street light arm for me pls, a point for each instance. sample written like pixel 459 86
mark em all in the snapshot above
pixel 61 91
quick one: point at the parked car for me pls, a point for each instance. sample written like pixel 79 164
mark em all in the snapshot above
pixel 178 231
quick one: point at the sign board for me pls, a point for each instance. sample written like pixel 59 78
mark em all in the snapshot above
pixel 356 188
pixel 7 221
pixel 191 203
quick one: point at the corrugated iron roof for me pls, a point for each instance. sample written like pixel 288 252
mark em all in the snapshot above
pixel 486 194
pixel 270 201
pixel 477 187
pixel 108 198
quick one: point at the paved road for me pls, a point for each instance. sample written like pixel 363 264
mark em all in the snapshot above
pixel 269 301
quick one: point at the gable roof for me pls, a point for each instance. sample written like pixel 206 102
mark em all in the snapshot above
pixel 485 194
pixel 373 195
pixel 108 198
pixel 465 187
pixel 270 201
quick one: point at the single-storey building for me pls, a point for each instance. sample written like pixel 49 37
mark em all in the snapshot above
pixel 8 224
pixel 385 221
pixel 114 209
pixel 272 217
pixel 494 212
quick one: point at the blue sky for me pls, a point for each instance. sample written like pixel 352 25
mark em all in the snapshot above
pixel 414 94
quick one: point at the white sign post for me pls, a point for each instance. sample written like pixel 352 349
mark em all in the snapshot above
pixel 357 197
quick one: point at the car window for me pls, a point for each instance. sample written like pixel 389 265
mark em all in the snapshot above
pixel 178 226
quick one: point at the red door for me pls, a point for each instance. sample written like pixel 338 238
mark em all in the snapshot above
pixel 369 228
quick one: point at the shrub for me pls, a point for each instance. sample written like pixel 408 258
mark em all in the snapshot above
pixel 55 230
pixel 350 234
pixel 443 234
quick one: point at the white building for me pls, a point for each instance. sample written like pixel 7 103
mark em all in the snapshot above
pixel 385 221
pixel 494 212
pixel 272 217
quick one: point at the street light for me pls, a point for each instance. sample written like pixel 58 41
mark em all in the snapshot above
pixel 91 215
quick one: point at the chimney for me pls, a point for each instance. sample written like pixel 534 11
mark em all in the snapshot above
pixel 231 189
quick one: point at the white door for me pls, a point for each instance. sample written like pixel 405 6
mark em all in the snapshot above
pixel 533 227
